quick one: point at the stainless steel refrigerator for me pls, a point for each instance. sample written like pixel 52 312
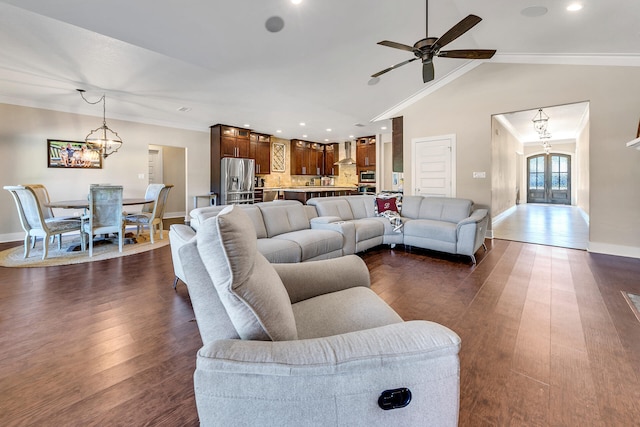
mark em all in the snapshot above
pixel 236 181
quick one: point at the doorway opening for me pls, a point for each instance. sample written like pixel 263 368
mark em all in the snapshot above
pixel 540 188
pixel 167 165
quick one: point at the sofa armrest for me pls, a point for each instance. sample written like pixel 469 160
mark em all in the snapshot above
pixel 471 232
pixel 179 235
pixel 335 223
pixel 476 216
pixel 309 279
pixel 334 380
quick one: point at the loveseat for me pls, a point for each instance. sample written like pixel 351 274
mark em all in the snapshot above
pixel 442 224
pixel 308 343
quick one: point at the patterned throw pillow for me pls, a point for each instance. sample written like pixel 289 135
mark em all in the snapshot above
pixel 386 204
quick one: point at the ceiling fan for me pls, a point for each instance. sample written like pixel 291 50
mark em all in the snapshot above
pixel 429 47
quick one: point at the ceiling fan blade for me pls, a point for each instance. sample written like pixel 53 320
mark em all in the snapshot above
pixel 457 30
pixel 467 53
pixel 427 71
pixel 397 45
pixel 393 67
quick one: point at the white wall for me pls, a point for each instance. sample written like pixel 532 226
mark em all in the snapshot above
pixel 23 157
pixel 465 106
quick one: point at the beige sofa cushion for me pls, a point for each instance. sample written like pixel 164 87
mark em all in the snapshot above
pixel 248 286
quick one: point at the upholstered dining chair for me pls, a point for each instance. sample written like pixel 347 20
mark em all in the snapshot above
pixel 152 213
pixel 43 199
pixel 35 224
pixel 105 213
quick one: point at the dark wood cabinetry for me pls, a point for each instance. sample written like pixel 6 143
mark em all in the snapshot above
pixel 397 145
pixel 233 142
pixel 260 150
pixel 299 157
pixel 227 141
pixel 307 158
pixel 366 152
pixel 316 159
pixel 330 157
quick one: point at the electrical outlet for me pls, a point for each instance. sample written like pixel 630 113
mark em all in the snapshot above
pixel 140 176
pixel 479 174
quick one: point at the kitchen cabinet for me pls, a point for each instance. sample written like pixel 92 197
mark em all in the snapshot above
pixel 330 157
pixel 366 152
pixel 234 142
pixel 300 154
pixel 316 159
pixel 260 151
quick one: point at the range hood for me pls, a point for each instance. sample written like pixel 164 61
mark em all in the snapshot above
pixel 347 155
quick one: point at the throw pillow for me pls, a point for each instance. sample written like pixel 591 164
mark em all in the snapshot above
pixel 386 204
pixel 248 286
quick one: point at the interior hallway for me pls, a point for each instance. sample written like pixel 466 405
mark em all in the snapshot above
pixel 544 224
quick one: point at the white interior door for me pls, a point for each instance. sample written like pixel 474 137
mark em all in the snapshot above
pixel 434 166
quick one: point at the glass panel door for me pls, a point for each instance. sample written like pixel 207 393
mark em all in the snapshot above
pixel 549 179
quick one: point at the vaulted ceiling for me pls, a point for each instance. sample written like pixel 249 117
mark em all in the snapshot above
pixel 217 61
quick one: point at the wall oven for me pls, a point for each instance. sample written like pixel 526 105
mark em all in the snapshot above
pixel 367 176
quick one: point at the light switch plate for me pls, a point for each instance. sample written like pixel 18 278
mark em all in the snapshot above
pixel 479 174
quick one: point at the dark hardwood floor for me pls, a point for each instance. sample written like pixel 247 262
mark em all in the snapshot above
pixel 547 338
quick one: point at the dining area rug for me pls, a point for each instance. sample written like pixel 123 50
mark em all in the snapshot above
pixel 14 257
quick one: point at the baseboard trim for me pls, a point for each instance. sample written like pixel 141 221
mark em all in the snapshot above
pixel 617 250
pixel 502 215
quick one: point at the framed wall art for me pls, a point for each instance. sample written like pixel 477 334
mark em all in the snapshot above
pixel 72 155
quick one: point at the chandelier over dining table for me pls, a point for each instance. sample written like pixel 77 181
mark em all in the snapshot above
pixel 102 139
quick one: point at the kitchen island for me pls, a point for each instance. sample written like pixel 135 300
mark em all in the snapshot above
pixel 303 194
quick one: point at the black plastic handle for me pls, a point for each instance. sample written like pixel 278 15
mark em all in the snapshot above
pixel 394 399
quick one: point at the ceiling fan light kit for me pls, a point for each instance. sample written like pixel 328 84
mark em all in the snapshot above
pixel 425 49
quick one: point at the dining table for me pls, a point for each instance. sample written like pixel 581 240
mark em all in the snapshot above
pixel 84 204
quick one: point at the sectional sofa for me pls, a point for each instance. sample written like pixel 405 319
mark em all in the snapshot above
pixel 331 227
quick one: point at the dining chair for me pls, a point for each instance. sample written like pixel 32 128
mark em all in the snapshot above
pixel 105 213
pixel 34 222
pixel 152 214
pixel 43 199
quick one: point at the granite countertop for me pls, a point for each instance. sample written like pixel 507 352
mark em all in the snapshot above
pixel 307 189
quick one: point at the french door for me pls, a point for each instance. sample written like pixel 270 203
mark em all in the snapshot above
pixel 549 179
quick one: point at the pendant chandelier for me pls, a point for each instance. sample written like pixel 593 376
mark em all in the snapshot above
pixel 102 139
pixel 540 122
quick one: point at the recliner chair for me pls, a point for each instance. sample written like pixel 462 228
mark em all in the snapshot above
pixel 308 343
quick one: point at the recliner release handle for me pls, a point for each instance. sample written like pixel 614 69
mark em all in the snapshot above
pixel 394 399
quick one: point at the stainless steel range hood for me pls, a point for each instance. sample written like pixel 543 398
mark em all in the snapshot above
pixel 347 153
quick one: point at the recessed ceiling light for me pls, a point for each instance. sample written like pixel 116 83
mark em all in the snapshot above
pixel 279 131
pixel 574 7
pixel 296 1
pixel 304 136
pixel 328 129
pixel 247 125
pixel 303 124
pixel 351 136
pixel 383 128
pixel 534 11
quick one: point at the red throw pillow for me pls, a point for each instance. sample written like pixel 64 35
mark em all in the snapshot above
pixel 387 205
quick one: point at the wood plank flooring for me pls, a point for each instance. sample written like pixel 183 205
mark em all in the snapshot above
pixel 547 338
